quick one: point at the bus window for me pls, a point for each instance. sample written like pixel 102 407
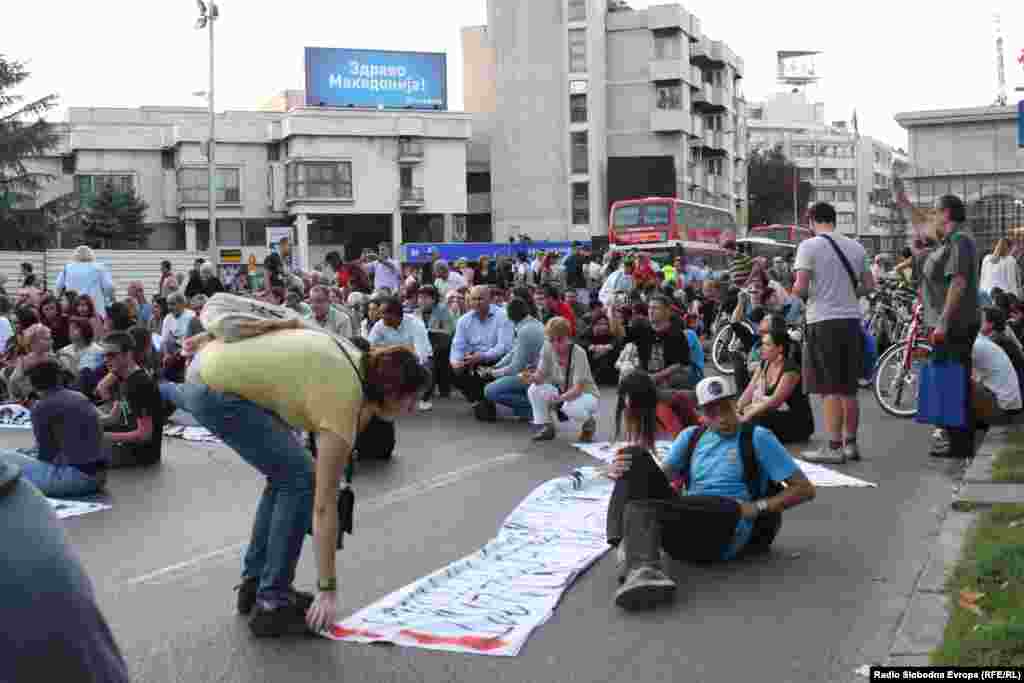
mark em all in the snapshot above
pixel 680 215
pixel 627 216
pixel 657 214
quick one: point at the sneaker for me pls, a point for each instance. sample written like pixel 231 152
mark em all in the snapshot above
pixel 645 588
pixel 546 433
pixel 274 622
pixel 851 451
pixel 826 456
pixel 587 431
pixel 621 567
pixel 424 406
pixel 247 596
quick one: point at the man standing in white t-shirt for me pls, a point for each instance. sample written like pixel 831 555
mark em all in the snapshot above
pixel 386 273
pixel 833 348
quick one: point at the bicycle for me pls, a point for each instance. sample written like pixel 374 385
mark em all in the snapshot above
pixel 904 360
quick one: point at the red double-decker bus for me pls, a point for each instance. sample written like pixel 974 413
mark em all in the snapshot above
pixel 665 220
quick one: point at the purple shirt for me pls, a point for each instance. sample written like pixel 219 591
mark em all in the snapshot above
pixel 67 429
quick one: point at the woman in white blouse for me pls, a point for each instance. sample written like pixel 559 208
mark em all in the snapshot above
pixel 563 383
pixel 999 270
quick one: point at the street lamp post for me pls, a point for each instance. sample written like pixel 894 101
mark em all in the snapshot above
pixel 207 18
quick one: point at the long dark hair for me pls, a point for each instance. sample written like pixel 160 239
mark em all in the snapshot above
pixel 641 408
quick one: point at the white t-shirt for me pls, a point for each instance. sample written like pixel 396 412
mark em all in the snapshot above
pixel 832 295
pixel 994 370
pixel 6 332
pixel 1001 274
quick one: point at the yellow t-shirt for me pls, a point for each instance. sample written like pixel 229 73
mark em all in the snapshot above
pixel 301 375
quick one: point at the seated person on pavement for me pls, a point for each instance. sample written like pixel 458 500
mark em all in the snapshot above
pixel 563 384
pixel 508 388
pixel 775 399
pixel 482 337
pixel 135 424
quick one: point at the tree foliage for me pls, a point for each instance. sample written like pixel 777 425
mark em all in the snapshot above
pixel 770 181
pixel 24 133
pixel 113 218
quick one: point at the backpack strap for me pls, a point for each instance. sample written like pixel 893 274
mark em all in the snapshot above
pixel 691 446
pixel 751 468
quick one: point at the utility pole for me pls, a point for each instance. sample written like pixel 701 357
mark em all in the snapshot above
pixel 207 18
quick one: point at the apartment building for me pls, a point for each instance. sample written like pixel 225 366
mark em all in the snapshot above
pixel 346 179
pixel 851 171
pixel 594 102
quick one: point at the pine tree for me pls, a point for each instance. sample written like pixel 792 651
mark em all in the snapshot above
pixel 116 217
pixel 24 133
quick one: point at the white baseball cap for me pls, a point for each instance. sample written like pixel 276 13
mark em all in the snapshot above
pixel 713 389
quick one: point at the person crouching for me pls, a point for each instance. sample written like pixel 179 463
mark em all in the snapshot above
pixel 563 384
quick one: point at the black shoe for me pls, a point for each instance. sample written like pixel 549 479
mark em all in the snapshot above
pixel 247 596
pixel 286 620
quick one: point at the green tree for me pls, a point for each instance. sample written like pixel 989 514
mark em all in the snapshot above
pixel 24 133
pixel 771 178
pixel 113 218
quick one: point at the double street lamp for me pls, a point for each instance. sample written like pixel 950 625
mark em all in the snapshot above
pixel 208 15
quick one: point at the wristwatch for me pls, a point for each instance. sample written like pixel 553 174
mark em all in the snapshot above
pixel 762 506
pixel 330 585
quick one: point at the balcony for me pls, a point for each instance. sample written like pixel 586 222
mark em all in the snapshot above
pixel 410 151
pixel 669 17
pixel 721 99
pixel 411 197
pixel 670 121
pixel 669 69
pixel 702 99
pixel 478 203
pixel 700 52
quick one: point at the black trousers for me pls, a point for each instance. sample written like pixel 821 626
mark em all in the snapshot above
pixel 693 528
pixel 469 383
pixel 442 344
pixel 786 426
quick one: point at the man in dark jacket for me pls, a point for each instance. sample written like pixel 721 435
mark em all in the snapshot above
pixel 661 346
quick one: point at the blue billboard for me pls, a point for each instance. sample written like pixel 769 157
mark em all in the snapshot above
pixel 339 77
pixel 422 252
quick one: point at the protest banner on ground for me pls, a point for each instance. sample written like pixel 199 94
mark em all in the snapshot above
pixel 75 508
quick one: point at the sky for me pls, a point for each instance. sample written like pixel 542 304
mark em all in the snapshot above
pixel 879 57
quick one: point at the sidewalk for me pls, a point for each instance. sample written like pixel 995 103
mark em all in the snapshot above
pixel 924 622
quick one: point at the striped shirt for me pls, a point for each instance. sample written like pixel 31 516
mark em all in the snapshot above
pixel 742 266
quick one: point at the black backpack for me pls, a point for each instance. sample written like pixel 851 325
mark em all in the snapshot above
pixel 766 525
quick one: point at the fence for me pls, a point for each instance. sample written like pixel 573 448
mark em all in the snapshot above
pixel 125 266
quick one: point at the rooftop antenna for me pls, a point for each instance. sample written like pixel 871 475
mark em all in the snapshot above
pixel 1001 97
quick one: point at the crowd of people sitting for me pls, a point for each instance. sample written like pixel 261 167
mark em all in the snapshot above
pixel 530 340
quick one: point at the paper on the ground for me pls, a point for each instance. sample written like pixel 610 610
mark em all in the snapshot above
pixel 190 433
pixel 489 602
pixel 15 416
pixel 817 474
pixel 75 508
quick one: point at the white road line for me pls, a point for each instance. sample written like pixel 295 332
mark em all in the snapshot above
pixel 376 503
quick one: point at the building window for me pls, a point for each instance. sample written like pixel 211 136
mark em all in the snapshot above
pixel 580 153
pixel 829 174
pixel 667 44
pixel 577 10
pixel 88 186
pixel 825 195
pixel 803 151
pixel 320 180
pixel 847 174
pixel 273 152
pixel 167 159
pixel 844 195
pixel 577 51
pixel 229 232
pixel 578 108
pixel 844 219
pixel 580 204
pixel 670 97
pixel 193 186
pixel 714 166
pixel 807 174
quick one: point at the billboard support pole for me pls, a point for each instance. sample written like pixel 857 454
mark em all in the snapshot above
pixel 212 172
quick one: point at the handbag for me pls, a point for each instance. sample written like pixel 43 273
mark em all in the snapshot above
pixel 867 341
pixel 942 400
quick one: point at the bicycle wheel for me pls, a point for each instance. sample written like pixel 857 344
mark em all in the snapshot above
pixel 720 347
pixel 897 382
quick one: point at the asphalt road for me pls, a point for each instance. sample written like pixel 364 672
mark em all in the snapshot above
pixel 828 599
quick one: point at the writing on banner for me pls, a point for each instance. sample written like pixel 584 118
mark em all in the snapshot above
pixel 491 601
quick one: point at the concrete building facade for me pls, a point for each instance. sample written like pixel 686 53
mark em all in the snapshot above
pixel 853 172
pixel 972 153
pixel 345 179
pixel 591 102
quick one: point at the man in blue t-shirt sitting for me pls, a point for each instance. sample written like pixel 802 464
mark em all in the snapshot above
pixel 715 518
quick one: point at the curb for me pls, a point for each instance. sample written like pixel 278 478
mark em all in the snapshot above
pixel 923 624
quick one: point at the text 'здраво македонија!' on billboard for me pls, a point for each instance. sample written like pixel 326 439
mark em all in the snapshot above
pixel 339 77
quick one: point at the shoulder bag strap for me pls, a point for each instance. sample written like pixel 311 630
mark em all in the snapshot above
pixel 751 468
pixel 568 368
pixel 691 446
pixel 846 263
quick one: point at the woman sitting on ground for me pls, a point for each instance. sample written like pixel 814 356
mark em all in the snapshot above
pixel 40 348
pixel 51 316
pixel 563 383
pixel 602 351
pixel 85 310
pixel 775 399
pixel 83 358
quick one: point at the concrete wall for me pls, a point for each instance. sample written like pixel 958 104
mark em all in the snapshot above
pixel 480 70
pixel 530 144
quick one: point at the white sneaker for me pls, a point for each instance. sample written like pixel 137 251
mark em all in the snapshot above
pixel 851 451
pixel 826 456
pixel 425 406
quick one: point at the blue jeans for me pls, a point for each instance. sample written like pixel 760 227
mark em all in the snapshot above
pixel 511 392
pixel 285 510
pixel 55 481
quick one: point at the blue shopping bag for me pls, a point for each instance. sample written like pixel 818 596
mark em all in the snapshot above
pixel 942 400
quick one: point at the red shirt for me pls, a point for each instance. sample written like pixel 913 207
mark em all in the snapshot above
pixel 564 310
